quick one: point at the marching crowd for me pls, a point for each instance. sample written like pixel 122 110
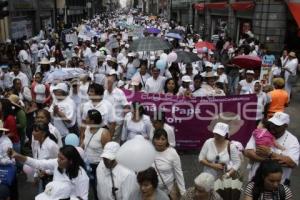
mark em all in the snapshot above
pixel 64 113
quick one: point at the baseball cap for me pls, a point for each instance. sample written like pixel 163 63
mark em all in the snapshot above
pixel 280 118
pixel 208 64
pixel 250 72
pixel 61 86
pixel 221 129
pixel 110 150
pixel 186 78
pixel 220 67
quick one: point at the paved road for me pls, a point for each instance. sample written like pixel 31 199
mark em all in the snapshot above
pixel 191 167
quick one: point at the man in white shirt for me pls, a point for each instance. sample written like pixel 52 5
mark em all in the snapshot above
pixel 113 180
pixel 93 58
pixel 288 158
pixel 290 69
pixel 85 54
pixel 198 91
pixel 97 102
pixel 155 84
pixel 25 60
pixel 63 109
pixel 16 73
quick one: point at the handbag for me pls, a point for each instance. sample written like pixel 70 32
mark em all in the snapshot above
pixel 7 174
pixel 292 79
pixel 174 193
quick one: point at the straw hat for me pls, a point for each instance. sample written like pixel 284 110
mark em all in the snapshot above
pixel 44 61
pixel 292 54
pixel 2 128
pixel 15 100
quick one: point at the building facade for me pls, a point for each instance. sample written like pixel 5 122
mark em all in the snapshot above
pixel 273 22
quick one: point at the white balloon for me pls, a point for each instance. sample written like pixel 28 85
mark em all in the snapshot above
pixel 164 56
pixel 137 154
pixel 172 57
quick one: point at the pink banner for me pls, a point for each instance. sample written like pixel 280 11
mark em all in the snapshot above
pixel 194 118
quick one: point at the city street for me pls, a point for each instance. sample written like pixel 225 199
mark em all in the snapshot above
pixel 190 164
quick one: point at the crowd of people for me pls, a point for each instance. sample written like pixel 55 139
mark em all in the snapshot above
pixel 67 130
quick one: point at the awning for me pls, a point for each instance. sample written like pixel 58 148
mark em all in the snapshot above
pixel 199 6
pixel 242 6
pixel 295 10
pixel 217 6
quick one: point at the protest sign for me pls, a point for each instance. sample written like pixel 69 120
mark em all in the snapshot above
pixel 194 118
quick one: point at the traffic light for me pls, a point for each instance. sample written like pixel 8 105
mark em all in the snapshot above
pixel 3 9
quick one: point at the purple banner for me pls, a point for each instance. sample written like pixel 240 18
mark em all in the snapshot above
pixel 194 118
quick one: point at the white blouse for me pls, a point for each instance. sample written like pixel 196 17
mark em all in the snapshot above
pixel 132 128
pixel 168 165
pixel 92 145
pixel 209 152
pixel 80 183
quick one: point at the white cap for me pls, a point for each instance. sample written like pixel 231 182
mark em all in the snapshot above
pixel 56 190
pixel 250 72
pixel 131 54
pixel 208 64
pixel 110 150
pixel 220 67
pixel 221 129
pixel 280 118
pixel 186 78
pixel 93 46
pixel 61 86
pixel 126 45
pixel 195 51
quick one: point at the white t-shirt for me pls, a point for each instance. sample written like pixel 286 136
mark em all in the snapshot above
pixel 155 86
pixel 170 131
pixel 223 79
pixel 292 150
pixel 68 107
pixel 209 152
pixel 246 88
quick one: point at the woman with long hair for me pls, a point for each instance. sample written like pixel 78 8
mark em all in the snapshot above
pixel 168 166
pixel 171 86
pixel 44 146
pixel 68 167
pixel 266 185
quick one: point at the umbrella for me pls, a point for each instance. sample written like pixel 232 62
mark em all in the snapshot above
pixel 186 57
pixel 55 75
pixel 229 188
pixel 208 45
pixel 149 44
pixel 181 32
pixel 247 61
pixel 174 35
pixel 153 30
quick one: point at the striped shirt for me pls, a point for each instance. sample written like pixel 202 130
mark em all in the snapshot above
pixel 267 195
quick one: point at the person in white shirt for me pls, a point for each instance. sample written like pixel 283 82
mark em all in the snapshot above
pixel 97 102
pixel 25 61
pixel 198 91
pixel 185 88
pixel 63 110
pixel 5 78
pixel 245 86
pixel 155 84
pixel 117 98
pixel 167 164
pixel 287 158
pixel 114 180
pixel 135 123
pixel 159 122
pixel 95 138
pixel 68 168
pixel 222 77
pixel 44 116
pixel 290 69
pixel 131 66
pixel 210 87
pixel 5 144
pixel 218 156
pixel 93 58
pixel 16 73
pixel 142 75
pixel 262 100
pixel 85 54
pixel 44 146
